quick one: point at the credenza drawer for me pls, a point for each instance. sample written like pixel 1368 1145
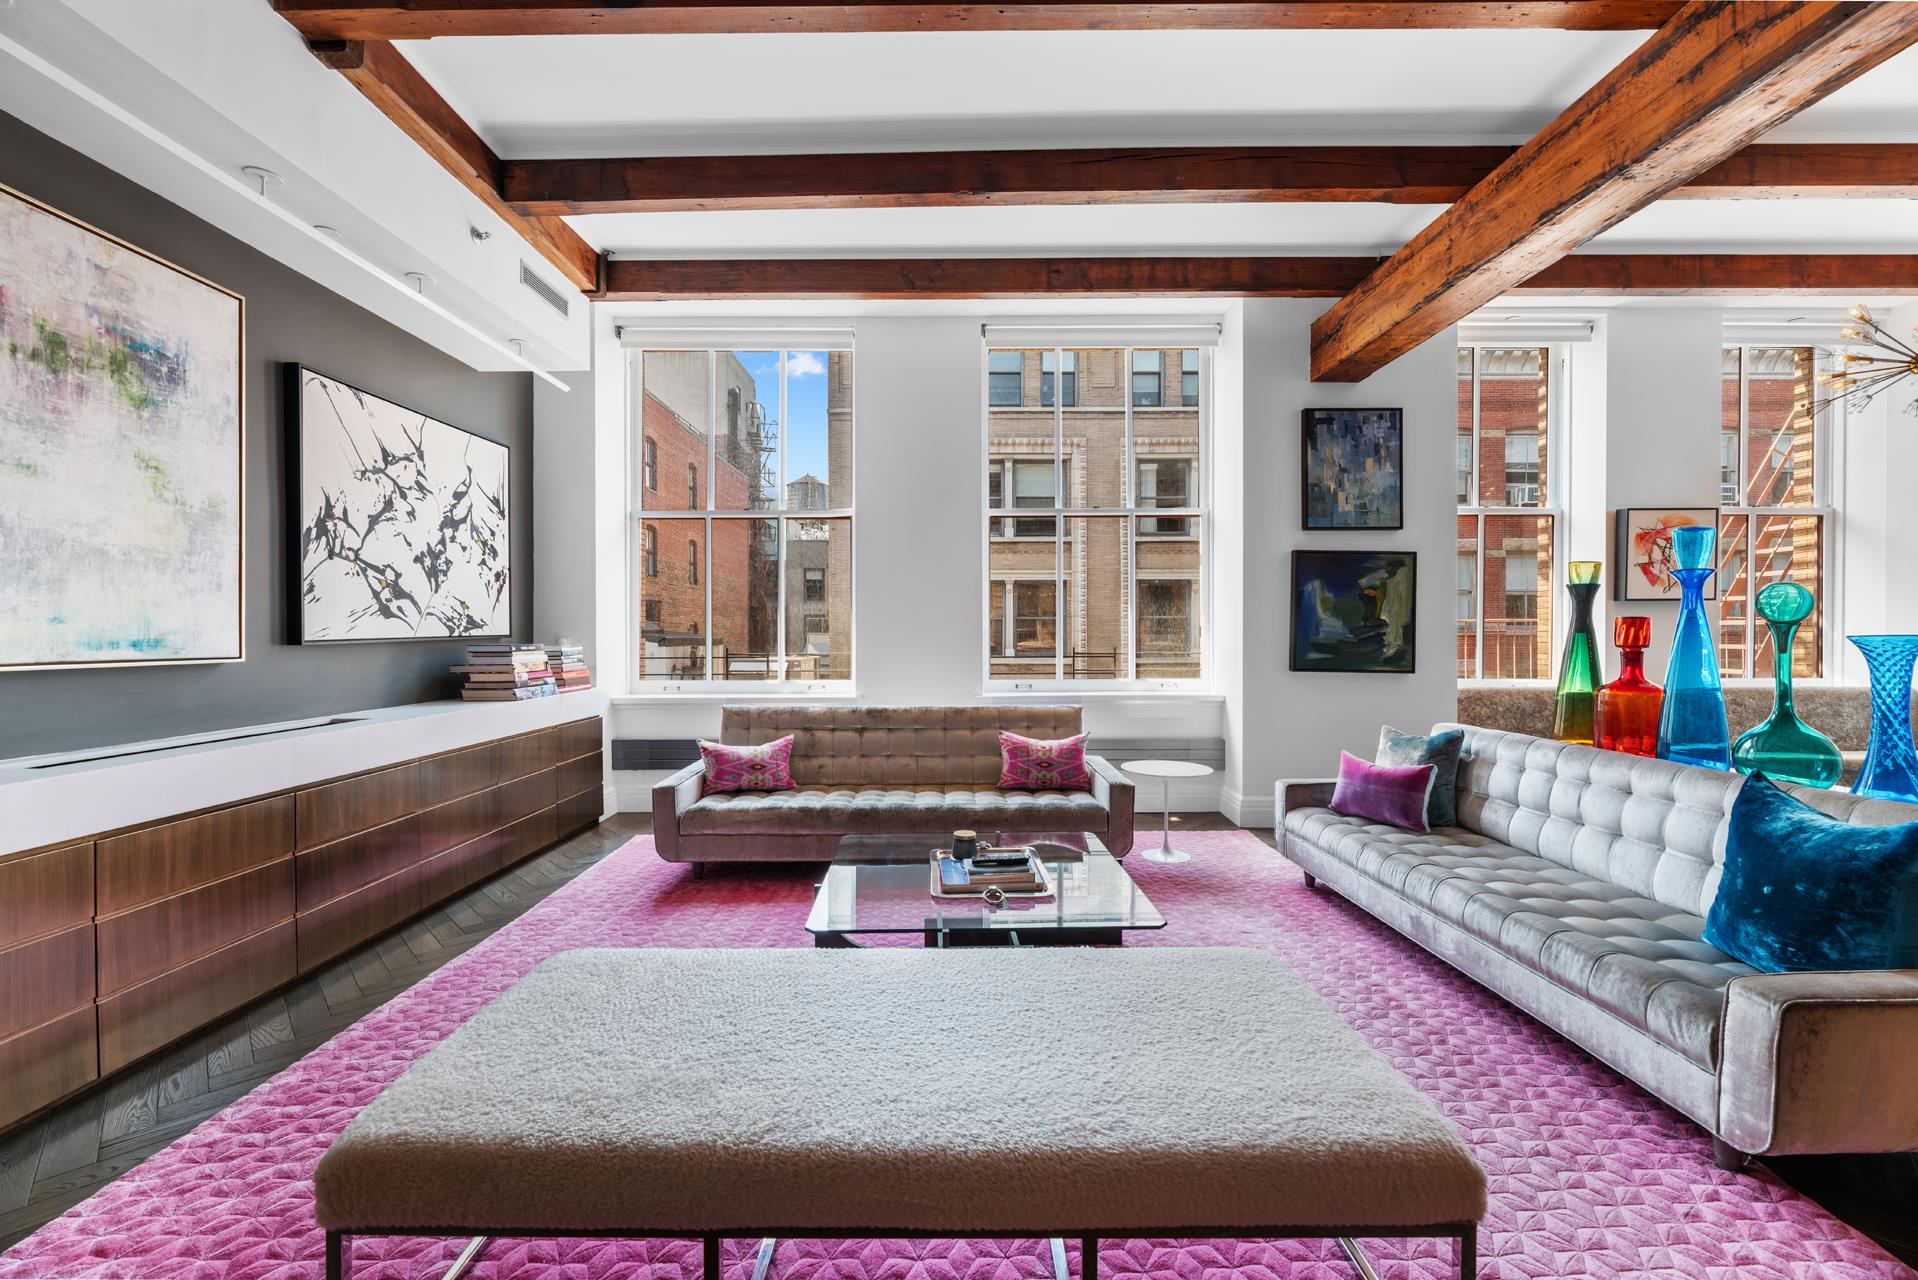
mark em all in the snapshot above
pixel 135 1022
pixel 340 809
pixel 456 823
pixel 157 862
pixel 323 874
pixel 577 775
pixel 581 810
pixel 459 869
pixel 580 737
pixel 528 836
pixel 346 922
pixel 46 978
pixel 461 773
pixel 161 936
pixel 48 1062
pixel 45 892
pixel 528 795
pixel 528 753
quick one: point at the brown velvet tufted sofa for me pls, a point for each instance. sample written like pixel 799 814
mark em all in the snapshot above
pixel 881 771
pixel 1576 885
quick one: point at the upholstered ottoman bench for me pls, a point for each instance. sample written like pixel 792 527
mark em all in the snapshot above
pixel 1161 1092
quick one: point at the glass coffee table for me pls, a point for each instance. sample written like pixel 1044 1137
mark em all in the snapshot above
pixel 883 885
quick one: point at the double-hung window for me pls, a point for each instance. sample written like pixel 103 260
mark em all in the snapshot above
pixel 1774 517
pixel 763 590
pixel 1509 423
pixel 1095 517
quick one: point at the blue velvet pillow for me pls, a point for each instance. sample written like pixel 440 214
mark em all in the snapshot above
pixel 1441 751
pixel 1801 891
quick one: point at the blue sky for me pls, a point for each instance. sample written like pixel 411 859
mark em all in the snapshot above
pixel 804 431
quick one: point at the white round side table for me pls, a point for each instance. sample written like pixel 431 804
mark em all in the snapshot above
pixel 1165 771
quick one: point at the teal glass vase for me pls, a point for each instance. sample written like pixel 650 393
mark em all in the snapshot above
pixel 1578 671
pixel 1691 726
pixel 1784 747
pixel 1890 771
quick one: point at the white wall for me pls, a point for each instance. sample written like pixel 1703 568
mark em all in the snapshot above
pixel 1662 380
pixel 1293 724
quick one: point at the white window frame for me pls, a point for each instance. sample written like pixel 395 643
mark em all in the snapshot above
pixel 1557 439
pixel 1826 481
pixel 783 517
pixel 1200 513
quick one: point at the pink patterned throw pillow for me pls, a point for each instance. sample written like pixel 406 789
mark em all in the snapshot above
pixel 1041 764
pixel 761 768
pixel 1392 794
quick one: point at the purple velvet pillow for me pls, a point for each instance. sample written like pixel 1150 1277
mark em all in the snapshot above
pixel 1395 794
pixel 1043 764
pixel 761 768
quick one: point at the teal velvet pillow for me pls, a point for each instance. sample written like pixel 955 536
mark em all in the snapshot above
pixel 1801 891
pixel 1440 750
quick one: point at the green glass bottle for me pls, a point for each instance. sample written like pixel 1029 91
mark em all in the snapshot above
pixel 1785 747
pixel 1578 671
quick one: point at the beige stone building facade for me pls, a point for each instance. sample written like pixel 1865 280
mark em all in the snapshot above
pixel 1078 594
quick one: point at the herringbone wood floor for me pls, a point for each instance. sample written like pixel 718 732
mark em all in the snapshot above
pixel 54 1162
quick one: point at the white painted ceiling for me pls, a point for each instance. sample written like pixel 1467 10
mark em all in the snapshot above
pixel 560 96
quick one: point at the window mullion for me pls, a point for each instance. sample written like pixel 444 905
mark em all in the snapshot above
pixel 1060 502
pixel 779 535
pixel 712 452
pixel 1129 489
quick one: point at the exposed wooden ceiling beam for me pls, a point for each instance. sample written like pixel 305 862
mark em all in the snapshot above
pixel 632 280
pixel 422 19
pixel 392 84
pixel 1706 84
pixel 1140 175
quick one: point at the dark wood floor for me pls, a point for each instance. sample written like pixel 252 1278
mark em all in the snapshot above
pixel 52 1163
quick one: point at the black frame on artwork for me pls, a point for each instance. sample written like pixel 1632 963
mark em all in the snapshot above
pixel 1623 574
pixel 1292 631
pixel 293 374
pixel 1308 431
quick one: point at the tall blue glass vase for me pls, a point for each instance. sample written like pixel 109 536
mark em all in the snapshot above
pixel 1692 728
pixel 1890 770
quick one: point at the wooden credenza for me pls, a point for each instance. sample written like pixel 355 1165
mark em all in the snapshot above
pixel 114 946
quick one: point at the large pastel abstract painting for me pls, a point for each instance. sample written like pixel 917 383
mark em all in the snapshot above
pixel 403 530
pixel 120 451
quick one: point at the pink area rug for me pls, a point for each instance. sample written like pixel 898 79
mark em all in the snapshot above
pixel 1590 1177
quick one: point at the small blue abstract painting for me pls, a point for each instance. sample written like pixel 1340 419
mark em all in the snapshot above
pixel 1354 611
pixel 1353 469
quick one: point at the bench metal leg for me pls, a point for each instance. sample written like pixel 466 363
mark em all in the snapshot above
pixel 339 1255
pixel 711 1255
pixel 1089 1258
pixel 1360 1263
pixel 1468 1253
pixel 468 1256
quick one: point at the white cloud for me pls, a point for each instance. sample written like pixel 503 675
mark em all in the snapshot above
pixel 804 364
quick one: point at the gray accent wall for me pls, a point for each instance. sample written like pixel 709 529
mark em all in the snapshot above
pixel 288 318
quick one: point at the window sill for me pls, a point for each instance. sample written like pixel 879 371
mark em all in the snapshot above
pixel 1154 696
pixel 739 696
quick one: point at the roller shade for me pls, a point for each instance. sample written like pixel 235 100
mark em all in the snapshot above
pixel 737 338
pixel 1101 334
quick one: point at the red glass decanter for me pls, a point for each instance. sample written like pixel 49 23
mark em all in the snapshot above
pixel 1625 713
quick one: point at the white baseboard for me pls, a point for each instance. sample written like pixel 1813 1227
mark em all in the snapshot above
pixel 609 800
pixel 1247 811
pixel 631 792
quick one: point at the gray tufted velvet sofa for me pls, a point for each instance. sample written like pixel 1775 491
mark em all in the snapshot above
pixel 1576 886
pixel 882 771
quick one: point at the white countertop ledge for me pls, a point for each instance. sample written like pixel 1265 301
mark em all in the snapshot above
pixel 52 799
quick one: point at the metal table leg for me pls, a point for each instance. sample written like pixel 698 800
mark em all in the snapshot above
pixel 1360 1262
pixel 468 1256
pixel 763 1264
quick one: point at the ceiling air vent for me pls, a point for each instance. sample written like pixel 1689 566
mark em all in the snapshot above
pixel 547 293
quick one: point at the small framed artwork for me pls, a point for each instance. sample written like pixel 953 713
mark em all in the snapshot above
pixel 1643 569
pixel 1354 611
pixel 1352 469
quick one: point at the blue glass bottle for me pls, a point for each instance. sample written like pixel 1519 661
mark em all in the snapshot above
pixel 1890 770
pixel 1692 728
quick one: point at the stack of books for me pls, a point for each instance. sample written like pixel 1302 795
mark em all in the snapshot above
pixel 1008 870
pixel 506 673
pixel 568 664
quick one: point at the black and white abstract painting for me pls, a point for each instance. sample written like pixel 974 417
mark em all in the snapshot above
pixel 403 530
